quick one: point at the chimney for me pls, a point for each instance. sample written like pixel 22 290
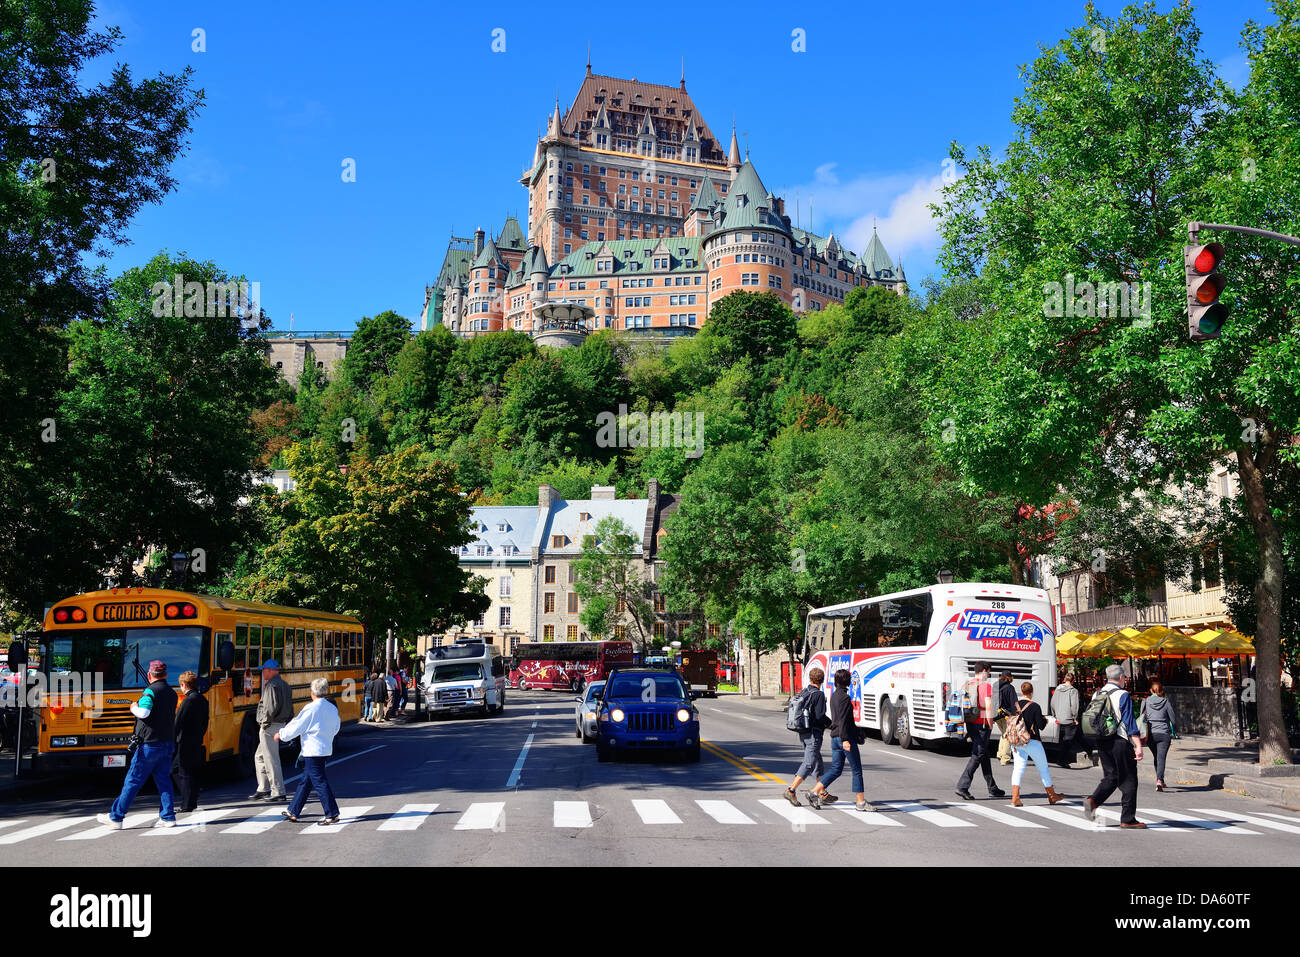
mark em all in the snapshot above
pixel 547 495
pixel 602 492
pixel 478 241
pixel 651 514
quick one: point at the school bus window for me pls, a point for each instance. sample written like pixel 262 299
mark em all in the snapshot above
pixel 277 648
pixel 329 649
pixel 356 647
pixel 297 648
pixel 241 647
pixel 254 645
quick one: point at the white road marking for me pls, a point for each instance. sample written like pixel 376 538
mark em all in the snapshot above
pixel 1223 827
pixel 798 816
pixel 12 823
pixel 131 820
pixel 1289 820
pixel 1069 818
pixel 724 812
pixel 745 717
pixel 534 724
pixel 519 765
pixel 1248 818
pixel 256 825
pixel 895 754
pixel 330 764
pixel 481 816
pixel 656 812
pixel 1002 817
pixel 49 827
pixel 930 815
pixel 197 821
pixel 1110 815
pixel 347 815
pixel 869 817
pixel 571 814
pixel 408 818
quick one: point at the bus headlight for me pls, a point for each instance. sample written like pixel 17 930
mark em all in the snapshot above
pixel 71 742
pixel 683 715
pixel 617 714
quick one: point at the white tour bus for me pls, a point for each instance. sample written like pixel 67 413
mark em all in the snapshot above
pixel 908 650
pixel 466 676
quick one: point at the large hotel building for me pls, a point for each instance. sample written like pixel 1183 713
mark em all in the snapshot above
pixel 639 219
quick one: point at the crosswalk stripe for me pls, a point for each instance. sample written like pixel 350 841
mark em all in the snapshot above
pixel 1110 815
pixel 257 824
pixel 131 820
pixel 13 822
pixel 1289 820
pixel 656 812
pixel 869 817
pixel 724 812
pixel 798 816
pixel 1002 817
pixel 571 814
pixel 198 821
pixel 481 816
pixel 1223 827
pixel 1069 818
pixel 930 815
pixel 408 818
pixel 347 815
pixel 1238 816
pixel 38 830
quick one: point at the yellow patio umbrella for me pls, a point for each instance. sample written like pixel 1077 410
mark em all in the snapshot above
pixel 1228 643
pixel 1177 643
pixel 1068 642
pixel 1088 646
pixel 1122 645
pixel 1156 634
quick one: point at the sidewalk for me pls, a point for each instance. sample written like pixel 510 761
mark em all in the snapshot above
pixel 1227 764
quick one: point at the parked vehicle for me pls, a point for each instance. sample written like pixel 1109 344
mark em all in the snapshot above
pixel 584 712
pixel 699 668
pixel 646 709
pixel 566 665
pixel 464 677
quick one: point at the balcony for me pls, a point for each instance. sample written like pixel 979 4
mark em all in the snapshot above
pixel 1115 617
pixel 1196 608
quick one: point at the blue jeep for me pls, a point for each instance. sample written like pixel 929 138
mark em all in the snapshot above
pixel 646 709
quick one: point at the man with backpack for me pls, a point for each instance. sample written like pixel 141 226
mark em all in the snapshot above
pixel 1109 723
pixel 807 717
pixel 979 725
pixel 845 738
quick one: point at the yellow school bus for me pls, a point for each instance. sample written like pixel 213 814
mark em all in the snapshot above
pixel 95 654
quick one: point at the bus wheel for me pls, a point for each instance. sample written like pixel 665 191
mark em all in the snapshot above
pixel 887 723
pixel 522 685
pixel 904 726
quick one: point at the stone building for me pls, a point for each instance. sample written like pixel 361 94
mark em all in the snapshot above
pixel 289 353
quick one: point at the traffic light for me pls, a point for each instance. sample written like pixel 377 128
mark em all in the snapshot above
pixel 1205 314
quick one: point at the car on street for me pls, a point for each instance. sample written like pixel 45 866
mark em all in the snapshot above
pixel 584 712
pixel 646 709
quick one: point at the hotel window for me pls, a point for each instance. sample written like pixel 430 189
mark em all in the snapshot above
pixel 620 632
pixel 506 586
pixel 573 603
pixel 715 631
pixel 549 603
pixel 572 634
pixel 620 606
pixel 550 575
pixel 558 541
pixel 548 633
pixel 573 569
pixel 659 601
pixel 659 629
pixel 503 620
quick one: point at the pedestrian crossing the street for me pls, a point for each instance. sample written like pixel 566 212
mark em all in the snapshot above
pixel 655 815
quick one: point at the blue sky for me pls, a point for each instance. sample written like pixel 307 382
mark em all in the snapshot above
pixel 441 127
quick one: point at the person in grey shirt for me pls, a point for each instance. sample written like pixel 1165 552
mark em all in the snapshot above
pixel 1159 714
pixel 274 711
pixel 1065 708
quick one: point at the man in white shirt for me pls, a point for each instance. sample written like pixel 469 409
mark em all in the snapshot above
pixel 317 723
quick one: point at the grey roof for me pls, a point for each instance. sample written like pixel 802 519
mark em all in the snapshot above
pixel 565 518
pixel 534 261
pixel 513 544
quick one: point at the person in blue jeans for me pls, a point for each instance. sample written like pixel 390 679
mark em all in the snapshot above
pixel 155 727
pixel 844 745
pixel 317 724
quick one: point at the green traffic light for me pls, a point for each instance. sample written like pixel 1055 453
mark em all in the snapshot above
pixel 1213 319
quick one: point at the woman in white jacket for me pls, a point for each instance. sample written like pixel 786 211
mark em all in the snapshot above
pixel 317 723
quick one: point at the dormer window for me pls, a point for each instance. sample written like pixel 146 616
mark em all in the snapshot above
pixel 584 516
pixel 501 526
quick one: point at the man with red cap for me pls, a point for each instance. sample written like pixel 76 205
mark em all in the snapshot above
pixel 155 720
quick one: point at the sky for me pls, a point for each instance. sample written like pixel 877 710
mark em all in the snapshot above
pixel 440 125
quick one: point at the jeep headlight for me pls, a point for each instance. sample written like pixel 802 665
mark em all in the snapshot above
pixel 617 714
pixel 683 715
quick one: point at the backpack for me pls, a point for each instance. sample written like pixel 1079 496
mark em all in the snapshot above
pixel 970 708
pixel 1099 721
pixel 954 715
pixel 1015 733
pixel 797 717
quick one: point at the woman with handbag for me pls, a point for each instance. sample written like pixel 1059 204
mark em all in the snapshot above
pixel 1022 732
pixel 1158 715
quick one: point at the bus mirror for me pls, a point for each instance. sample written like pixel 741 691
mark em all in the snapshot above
pixel 226 655
pixel 202 685
pixel 17 655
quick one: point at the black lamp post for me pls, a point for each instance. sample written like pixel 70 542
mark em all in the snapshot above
pixel 180 566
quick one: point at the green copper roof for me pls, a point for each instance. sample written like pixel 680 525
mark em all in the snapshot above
pixel 490 256
pixel 628 251
pixel 746 204
pixel 708 196
pixel 512 237
pixel 534 261
pixel 455 264
pixel 876 259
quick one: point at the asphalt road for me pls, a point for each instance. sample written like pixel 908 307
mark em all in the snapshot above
pixel 520 789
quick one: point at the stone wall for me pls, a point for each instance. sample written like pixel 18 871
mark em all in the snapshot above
pixel 1207 711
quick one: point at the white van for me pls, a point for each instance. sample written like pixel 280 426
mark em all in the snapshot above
pixel 466 676
pixel 906 652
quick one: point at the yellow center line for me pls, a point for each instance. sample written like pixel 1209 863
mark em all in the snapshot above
pixel 739 762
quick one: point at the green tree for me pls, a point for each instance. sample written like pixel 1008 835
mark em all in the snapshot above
pixel 378 539
pixel 409 399
pixel 77 161
pixel 374 348
pixel 758 326
pixel 610 574
pixel 1044 391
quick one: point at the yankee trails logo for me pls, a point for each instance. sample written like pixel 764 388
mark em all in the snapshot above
pixel 75 910
pixel 1001 630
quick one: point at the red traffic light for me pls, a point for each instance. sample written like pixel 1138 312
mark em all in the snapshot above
pixel 1207 260
pixel 1205 314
